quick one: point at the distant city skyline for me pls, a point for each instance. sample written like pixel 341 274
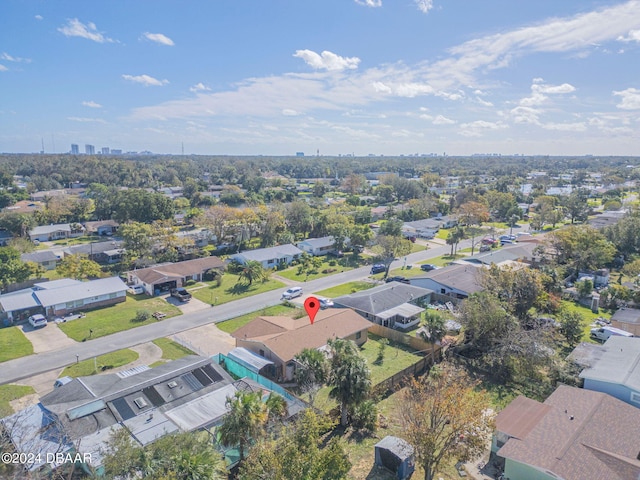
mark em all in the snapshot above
pixel 344 77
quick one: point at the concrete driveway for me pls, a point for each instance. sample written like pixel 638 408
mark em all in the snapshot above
pixel 192 306
pixel 47 338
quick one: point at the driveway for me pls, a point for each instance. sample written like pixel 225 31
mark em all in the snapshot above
pixel 206 340
pixel 192 306
pixel 47 338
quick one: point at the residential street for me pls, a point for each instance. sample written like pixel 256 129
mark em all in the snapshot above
pixel 24 367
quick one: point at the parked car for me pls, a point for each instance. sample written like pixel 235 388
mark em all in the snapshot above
pixel 427 267
pixel 62 381
pixel 136 290
pixel 378 268
pixel 397 278
pixel 37 320
pixel 325 302
pixel 181 294
pixel 336 253
pixel 488 241
pixel 292 292
pixel 485 248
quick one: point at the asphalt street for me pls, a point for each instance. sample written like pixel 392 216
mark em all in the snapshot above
pixel 14 370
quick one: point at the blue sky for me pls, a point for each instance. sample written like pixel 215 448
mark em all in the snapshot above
pixel 350 76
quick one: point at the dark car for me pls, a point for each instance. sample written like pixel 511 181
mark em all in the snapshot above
pixel 427 267
pixel 397 278
pixel 378 268
pixel 181 294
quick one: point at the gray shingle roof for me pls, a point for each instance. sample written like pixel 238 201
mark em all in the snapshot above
pixel 263 254
pixel 39 257
pixel 618 362
pixel 382 298
pixel 93 288
pixel 460 277
pixel 46 229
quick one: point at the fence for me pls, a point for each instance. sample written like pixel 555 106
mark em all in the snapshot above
pixel 188 345
pixel 395 336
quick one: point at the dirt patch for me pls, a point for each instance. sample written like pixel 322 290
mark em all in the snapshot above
pixel 24 402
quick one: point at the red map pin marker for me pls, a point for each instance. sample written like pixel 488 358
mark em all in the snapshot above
pixel 312 305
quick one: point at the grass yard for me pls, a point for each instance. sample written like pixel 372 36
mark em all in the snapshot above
pixel 116 318
pixel 13 344
pixel 103 362
pixel 345 289
pixel 588 315
pixel 8 393
pixel 233 324
pixel 396 358
pixel 339 265
pixel 172 350
pixel 230 290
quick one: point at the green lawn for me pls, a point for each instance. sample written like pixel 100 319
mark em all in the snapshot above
pixel 172 350
pixel 588 315
pixel 345 289
pixel 13 344
pixel 9 393
pixel 233 324
pixel 103 362
pixel 116 318
pixel 230 290
pixel 396 358
pixel 340 265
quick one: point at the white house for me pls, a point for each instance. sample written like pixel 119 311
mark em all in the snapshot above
pixel 318 246
pixel 272 257
pixel 47 233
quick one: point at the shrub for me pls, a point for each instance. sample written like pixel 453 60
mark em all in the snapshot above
pixel 365 416
pixel 142 315
pixel 332 263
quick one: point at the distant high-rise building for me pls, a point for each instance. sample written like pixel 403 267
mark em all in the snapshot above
pixel 74 149
pixel 105 150
pixel 116 152
pixel 89 149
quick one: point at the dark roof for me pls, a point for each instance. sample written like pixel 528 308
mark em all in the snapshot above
pixel 515 252
pixel 187 268
pixel 582 435
pixel 39 257
pixel 627 315
pixel 399 447
pixel 460 277
pixel 383 297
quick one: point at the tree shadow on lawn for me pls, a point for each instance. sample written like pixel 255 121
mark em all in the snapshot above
pixel 239 289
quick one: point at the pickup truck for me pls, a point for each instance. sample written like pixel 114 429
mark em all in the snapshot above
pixel 181 294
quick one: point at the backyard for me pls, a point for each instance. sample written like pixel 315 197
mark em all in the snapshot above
pixel 116 318
pixel 230 289
pixel 13 344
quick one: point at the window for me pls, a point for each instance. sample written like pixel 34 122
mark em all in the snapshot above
pixel 358 335
pixel 113 295
pixel 635 397
pixel 261 353
pixel 443 291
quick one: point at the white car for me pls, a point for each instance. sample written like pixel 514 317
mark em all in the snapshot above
pixel 136 290
pixel 325 302
pixel 292 292
pixel 37 321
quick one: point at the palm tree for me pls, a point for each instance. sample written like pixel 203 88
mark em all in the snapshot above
pixel 244 421
pixel 351 377
pixel 250 272
pixel 277 408
pixel 435 323
pixel 312 371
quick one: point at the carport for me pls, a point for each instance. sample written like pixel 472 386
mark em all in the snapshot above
pixel 159 288
pixel 19 305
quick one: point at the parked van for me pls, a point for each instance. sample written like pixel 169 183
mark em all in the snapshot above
pixel 603 333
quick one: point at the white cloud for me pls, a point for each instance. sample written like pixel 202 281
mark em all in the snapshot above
pixel 75 28
pixel 370 3
pixel 442 120
pixel 91 104
pixel 3 68
pixel 484 102
pixel 158 38
pixel 145 80
pixel 478 127
pixel 632 36
pixel 10 58
pixel 525 114
pixel 327 60
pixel 565 127
pixel 411 90
pixel 86 120
pixel 564 88
pixel 199 87
pixel 540 90
pixel 424 5
pixel 38 17
pixel 381 87
pixel 630 99
pixel 288 112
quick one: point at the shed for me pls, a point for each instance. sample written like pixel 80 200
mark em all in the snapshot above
pixel 396 455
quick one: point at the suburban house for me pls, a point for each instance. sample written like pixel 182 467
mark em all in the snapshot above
pixel 522 253
pixel 102 228
pixel 162 278
pixel 104 253
pixel 393 305
pixel 272 257
pixel 45 258
pixel 60 297
pixel 318 246
pixel 614 368
pixel 599 278
pixel 183 395
pixel 280 339
pixel 627 319
pixel 575 434
pixel 47 233
pixel 455 281
pixel 428 227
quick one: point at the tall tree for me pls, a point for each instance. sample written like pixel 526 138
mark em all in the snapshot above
pixel 444 418
pixel 312 371
pixel 250 272
pixel 12 268
pixel 350 376
pixel 390 247
pixel 78 267
pixel 244 421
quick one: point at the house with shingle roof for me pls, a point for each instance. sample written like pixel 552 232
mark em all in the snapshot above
pixel 393 305
pixel 46 233
pixel 318 246
pixel 280 339
pixel 272 257
pixel 45 258
pixel 162 278
pixel 575 434
pixel 456 281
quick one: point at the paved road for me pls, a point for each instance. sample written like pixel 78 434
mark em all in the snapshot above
pixel 24 367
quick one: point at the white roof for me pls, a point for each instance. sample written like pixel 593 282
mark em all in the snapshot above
pixel 93 288
pixel 405 310
pixel 44 229
pixel 619 363
pixel 249 359
pixel 203 410
pixel 262 254
pixel 18 301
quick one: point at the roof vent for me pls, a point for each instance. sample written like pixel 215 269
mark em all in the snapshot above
pixel 173 384
pixel 140 402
